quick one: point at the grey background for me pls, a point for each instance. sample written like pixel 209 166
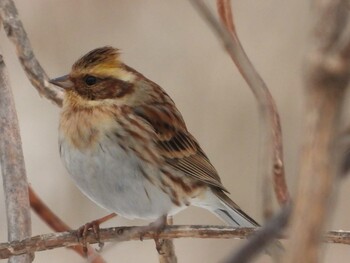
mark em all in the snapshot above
pixel 169 43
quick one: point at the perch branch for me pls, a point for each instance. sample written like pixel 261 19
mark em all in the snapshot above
pixel 327 77
pixel 13 168
pixel 15 32
pixel 119 234
pixel 166 248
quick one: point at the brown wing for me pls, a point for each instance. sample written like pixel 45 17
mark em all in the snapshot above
pixel 176 145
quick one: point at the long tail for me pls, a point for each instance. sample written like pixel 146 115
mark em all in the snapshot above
pixel 222 206
pixel 230 212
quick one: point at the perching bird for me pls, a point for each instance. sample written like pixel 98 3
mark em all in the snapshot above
pixel 127 148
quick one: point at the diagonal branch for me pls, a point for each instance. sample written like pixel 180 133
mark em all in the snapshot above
pixel 272 131
pixel 13 168
pixel 15 32
pixel 267 234
pixel 272 152
pixel 58 225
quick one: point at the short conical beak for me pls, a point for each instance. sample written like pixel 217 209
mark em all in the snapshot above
pixel 63 82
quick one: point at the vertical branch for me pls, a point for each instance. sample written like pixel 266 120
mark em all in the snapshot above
pixel 326 81
pixel 13 168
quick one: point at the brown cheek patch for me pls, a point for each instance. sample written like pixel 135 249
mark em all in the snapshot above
pixel 112 88
pixel 82 89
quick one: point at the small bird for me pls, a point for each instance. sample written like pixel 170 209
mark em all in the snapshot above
pixel 127 147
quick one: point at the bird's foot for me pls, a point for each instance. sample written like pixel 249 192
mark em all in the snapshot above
pixel 93 226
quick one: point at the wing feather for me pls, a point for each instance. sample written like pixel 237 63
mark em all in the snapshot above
pixel 176 145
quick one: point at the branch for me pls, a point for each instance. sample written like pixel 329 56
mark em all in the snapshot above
pixel 15 32
pixel 328 72
pixel 267 234
pixel 267 106
pixel 45 213
pixel 272 153
pixel 120 234
pixel 166 248
pixel 39 79
pixel 13 168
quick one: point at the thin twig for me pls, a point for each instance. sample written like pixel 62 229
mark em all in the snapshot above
pixel 272 152
pixel 265 100
pixel 325 87
pixel 13 168
pixel 49 217
pixel 15 31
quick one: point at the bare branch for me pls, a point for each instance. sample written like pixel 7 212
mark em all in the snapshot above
pixel 325 87
pixel 15 31
pixel 120 234
pixel 265 99
pixel 49 217
pixel 13 168
pixel 272 152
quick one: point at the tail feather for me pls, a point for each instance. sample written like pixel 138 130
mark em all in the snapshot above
pixel 221 205
pixel 231 213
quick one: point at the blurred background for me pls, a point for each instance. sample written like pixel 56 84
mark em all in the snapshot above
pixel 169 43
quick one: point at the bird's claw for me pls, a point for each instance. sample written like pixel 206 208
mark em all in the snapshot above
pixel 83 233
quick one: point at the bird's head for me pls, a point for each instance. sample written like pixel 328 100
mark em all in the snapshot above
pixel 99 77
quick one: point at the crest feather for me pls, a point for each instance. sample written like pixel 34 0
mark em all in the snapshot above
pixel 98 59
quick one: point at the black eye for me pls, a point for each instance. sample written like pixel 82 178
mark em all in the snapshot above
pixel 90 80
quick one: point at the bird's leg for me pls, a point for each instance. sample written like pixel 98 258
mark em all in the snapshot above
pixel 163 244
pixel 94 225
pixel 156 226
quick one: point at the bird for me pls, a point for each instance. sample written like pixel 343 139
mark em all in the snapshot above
pixel 127 148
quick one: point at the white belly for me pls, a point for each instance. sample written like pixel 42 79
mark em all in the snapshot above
pixel 112 179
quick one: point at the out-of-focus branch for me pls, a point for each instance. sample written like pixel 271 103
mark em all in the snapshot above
pixel 13 168
pixel 58 225
pixel 15 31
pixel 267 234
pixel 328 72
pixel 272 153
